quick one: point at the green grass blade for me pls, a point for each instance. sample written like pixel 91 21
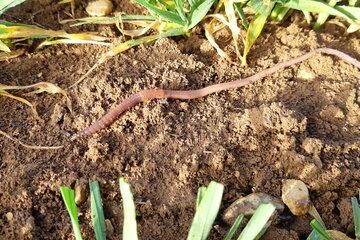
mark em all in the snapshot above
pixel 242 16
pixel 200 195
pixel 319 7
pixel 129 228
pixel 356 213
pixel 258 222
pixel 234 227
pixel 198 12
pixel 180 10
pixel 320 230
pixel 68 196
pixel 255 28
pixel 171 17
pixel 206 212
pixel 324 16
pixel 97 213
pixel 6 4
pixel 313 236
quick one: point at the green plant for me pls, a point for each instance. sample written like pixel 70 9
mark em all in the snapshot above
pixel 68 196
pixel 207 207
pixel 319 229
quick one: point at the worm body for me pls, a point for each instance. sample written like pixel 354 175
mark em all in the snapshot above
pixel 149 94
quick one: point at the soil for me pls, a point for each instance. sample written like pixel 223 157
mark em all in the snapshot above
pixel 302 123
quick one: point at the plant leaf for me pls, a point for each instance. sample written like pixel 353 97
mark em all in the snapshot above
pixel 258 222
pixel 206 212
pixel 320 230
pixel 324 16
pixel 255 28
pixel 6 4
pixel 129 228
pixel 171 17
pixel 198 12
pixel 4 47
pixel 356 213
pixel 68 196
pixel 234 227
pixel 97 213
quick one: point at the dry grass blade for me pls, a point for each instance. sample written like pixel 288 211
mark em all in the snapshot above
pixel 34 147
pixel 41 87
pixel 4 56
pixel 235 30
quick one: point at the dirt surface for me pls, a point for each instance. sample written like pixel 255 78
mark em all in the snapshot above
pixel 302 123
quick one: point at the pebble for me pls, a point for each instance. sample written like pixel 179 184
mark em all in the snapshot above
pixel 295 195
pixel 109 227
pixel 9 216
pixel 80 192
pixel 99 8
pixel 248 204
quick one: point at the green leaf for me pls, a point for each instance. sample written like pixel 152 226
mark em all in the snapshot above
pixel 206 212
pixel 97 213
pixel 324 16
pixel 198 12
pixel 180 9
pixel 313 236
pixel 356 213
pixel 234 227
pixel 68 196
pixel 200 195
pixel 171 17
pixel 320 230
pixel 258 222
pixel 242 16
pixel 255 28
pixel 6 4
pixel 129 228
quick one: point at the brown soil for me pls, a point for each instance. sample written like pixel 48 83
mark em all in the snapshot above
pixel 302 123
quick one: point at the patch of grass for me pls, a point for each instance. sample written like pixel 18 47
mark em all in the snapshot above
pixel 207 206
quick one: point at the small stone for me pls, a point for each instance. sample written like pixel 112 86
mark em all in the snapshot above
pixel 28 227
pixel 109 227
pixel 80 192
pixel 336 235
pixel 295 195
pixel 312 146
pixel 99 8
pixel 184 106
pixel 247 205
pixel 305 74
pixel 9 216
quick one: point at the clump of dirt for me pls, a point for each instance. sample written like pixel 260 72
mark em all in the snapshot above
pixel 302 123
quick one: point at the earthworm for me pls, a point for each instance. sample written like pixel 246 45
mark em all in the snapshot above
pixel 149 94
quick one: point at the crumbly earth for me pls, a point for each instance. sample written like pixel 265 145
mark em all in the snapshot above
pixel 302 122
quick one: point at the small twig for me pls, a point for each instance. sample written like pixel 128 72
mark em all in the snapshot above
pixel 149 94
pixel 35 147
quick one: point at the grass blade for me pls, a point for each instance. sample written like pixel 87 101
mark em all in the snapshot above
pixel 258 222
pixel 242 16
pixel 129 228
pixel 97 213
pixel 324 16
pixel 68 196
pixel 320 230
pixel 234 227
pixel 356 213
pixel 171 17
pixel 313 236
pixel 206 212
pixel 6 4
pixel 255 28
pixel 200 195
pixel 198 12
